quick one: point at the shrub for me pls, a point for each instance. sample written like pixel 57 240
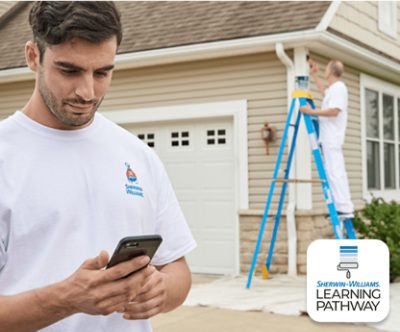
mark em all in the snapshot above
pixel 381 220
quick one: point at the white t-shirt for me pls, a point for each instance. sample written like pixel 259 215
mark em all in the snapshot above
pixel 66 195
pixel 333 128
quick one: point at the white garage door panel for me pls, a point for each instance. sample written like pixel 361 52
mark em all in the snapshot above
pixel 189 209
pixel 213 217
pixel 217 175
pixel 199 160
pixel 207 250
pixel 182 175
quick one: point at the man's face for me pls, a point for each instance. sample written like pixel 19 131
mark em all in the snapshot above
pixel 73 79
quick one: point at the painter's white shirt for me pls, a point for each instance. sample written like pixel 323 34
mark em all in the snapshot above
pixel 65 196
pixel 333 128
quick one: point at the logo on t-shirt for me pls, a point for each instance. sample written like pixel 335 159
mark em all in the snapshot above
pixel 132 187
pixel 131 176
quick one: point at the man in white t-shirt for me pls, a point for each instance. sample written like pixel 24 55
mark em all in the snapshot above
pixel 72 184
pixel 333 122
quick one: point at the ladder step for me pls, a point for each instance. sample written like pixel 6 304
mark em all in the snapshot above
pixel 298 181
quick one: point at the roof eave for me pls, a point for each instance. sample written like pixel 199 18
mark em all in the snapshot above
pixel 322 42
pixel 363 59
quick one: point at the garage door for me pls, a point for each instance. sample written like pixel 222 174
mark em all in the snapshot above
pixel 198 156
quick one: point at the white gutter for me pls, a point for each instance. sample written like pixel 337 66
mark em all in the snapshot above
pixel 208 50
pixel 314 39
pixel 290 210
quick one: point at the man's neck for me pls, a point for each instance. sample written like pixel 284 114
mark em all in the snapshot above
pixel 332 80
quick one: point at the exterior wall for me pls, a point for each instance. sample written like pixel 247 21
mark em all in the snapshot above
pixel 13 96
pixel 249 226
pixel 359 20
pixel 259 78
pixel 309 225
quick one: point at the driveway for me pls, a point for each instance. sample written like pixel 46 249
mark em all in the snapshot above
pixel 219 304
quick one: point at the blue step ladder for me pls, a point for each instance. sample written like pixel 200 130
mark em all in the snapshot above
pixel 303 97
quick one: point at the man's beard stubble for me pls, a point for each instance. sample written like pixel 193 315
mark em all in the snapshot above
pixel 56 109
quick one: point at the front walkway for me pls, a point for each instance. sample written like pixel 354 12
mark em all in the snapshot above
pixel 278 304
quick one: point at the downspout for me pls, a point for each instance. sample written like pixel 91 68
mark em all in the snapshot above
pixel 290 210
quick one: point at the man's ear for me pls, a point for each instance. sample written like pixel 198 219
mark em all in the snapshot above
pixel 32 55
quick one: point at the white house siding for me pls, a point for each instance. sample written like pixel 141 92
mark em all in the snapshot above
pixel 359 20
pixel 13 96
pixel 260 79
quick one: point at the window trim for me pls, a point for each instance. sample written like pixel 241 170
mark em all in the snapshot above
pixel 382 87
pixel 388 30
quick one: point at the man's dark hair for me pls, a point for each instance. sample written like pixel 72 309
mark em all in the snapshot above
pixel 55 22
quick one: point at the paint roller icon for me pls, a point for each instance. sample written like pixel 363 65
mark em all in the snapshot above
pixel 348 259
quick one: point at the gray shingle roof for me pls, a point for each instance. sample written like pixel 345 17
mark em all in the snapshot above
pixel 156 25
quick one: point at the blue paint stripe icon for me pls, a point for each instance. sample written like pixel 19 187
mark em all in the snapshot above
pixel 348 259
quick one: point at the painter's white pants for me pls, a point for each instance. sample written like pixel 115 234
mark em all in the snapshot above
pixel 337 178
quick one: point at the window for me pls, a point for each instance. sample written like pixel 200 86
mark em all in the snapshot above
pixel 216 137
pixel 372 123
pixel 387 17
pixel 180 138
pixel 398 138
pixel 382 138
pixel 148 138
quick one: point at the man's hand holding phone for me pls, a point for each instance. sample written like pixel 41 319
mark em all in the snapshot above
pixel 98 291
pixel 101 286
pixel 151 299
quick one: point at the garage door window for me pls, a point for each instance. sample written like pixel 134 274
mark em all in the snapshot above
pixel 180 138
pixel 148 138
pixel 216 137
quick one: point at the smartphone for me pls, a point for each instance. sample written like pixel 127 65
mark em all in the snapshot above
pixel 134 246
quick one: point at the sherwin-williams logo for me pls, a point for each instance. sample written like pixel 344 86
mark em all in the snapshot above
pixel 131 176
pixel 132 187
pixel 348 280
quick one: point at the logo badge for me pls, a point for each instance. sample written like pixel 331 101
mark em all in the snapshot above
pixel 132 187
pixel 348 280
pixel 131 176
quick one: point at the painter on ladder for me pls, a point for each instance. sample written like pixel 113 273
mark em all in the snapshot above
pixel 333 122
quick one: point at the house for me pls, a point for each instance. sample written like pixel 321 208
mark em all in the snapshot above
pixel 198 80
